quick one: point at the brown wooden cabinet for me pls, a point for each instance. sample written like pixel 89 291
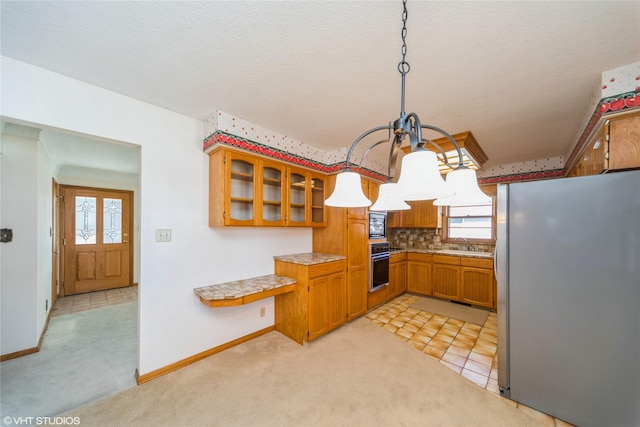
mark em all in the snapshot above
pixel 419 273
pixel 249 190
pixel 358 267
pixel 445 281
pixel 421 215
pixel 613 145
pixel 347 234
pixel 478 282
pixel 397 275
pixel 318 303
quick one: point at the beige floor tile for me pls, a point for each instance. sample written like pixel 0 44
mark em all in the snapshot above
pixel 421 338
pixel 444 346
pixel 483 350
pixel 443 337
pixel 433 351
pixel 492 386
pixel 427 332
pixel 455 368
pixel 478 368
pixel 383 318
pixel 417 344
pixel 560 423
pixel 411 328
pixel 403 333
pixel 486 344
pixel 464 342
pixel 455 322
pixel 454 359
pixel 422 317
pixel 481 358
pixel 397 323
pixel 460 351
pixel 448 332
pixel 418 323
pixel 477 378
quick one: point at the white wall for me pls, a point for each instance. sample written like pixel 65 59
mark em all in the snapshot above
pixel 44 204
pixel 19 263
pixel 173 194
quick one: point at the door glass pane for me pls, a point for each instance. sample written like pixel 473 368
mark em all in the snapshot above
pixel 85 220
pixel 112 221
pixel 297 198
pixel 271 194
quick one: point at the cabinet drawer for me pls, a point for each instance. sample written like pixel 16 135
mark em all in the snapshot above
pixel 327 268
pixel 398 258
pixel 445 259
pixel 414 256
pixel 477 262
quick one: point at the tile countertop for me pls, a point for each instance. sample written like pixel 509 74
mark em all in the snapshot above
pixel 310 258
pixel 242 288
pixel 469 254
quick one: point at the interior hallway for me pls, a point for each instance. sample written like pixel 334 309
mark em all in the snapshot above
pixel 89 351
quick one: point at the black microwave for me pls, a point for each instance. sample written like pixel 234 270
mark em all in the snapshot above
pixel 377 225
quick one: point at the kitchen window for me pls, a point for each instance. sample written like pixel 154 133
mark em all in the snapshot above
pixel 475 223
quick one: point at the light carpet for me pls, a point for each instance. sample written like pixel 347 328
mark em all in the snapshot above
pixel 453 310
pixel 357 375
pixel 84 356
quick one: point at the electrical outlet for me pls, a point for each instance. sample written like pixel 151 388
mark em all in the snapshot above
pixel 163 235
pixel 263 310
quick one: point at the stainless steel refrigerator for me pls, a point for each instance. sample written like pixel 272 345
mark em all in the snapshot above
pixel 568 271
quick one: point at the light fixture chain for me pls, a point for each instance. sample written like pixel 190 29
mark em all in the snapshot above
pixel 403 67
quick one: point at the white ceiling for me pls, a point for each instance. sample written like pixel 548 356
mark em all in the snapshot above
pixel 517 74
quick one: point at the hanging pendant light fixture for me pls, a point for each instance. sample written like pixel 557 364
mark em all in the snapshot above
pixel 420 178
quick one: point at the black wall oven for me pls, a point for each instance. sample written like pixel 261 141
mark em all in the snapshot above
pixel 379 267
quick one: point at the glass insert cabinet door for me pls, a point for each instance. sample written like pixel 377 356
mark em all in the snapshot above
pixel 297 197
pixel 242 174
pixel 273 193
pixel 317 200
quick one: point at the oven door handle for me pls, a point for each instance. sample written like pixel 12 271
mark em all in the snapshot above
pixel 381 256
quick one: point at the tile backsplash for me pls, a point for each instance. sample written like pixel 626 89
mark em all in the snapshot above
pixel 427 238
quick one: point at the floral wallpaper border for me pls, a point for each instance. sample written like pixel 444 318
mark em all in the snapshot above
pixel 223 138
pixel 291 151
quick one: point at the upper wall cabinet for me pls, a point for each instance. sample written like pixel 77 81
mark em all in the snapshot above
pixel 248 190
pixel 614 145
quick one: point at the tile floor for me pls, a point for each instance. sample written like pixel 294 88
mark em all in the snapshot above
pixel 465 348
pixel 83 302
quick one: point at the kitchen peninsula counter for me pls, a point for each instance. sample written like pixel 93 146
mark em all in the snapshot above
pixel 309 258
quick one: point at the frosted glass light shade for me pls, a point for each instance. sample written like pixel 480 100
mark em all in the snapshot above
pixel 348 192
pixel 389 199
pixel 465 185
pixel 420 178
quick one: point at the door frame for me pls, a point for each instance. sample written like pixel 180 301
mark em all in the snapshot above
pixel 62 230
pixel 55 241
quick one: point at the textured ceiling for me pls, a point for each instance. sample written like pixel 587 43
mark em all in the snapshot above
pixel 517 74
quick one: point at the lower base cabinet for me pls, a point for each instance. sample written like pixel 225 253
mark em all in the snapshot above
pixel 445 282
pixel 478 282
pixel 419 273
pixel 318 304
pixel 397 275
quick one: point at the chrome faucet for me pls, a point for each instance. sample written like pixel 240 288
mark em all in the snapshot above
pixel 466 242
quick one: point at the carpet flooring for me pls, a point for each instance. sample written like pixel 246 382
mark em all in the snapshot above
pixel 84 356
pixel 455 311
pixel 357 375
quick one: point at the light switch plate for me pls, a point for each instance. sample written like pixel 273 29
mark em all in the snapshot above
pixel 163 235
